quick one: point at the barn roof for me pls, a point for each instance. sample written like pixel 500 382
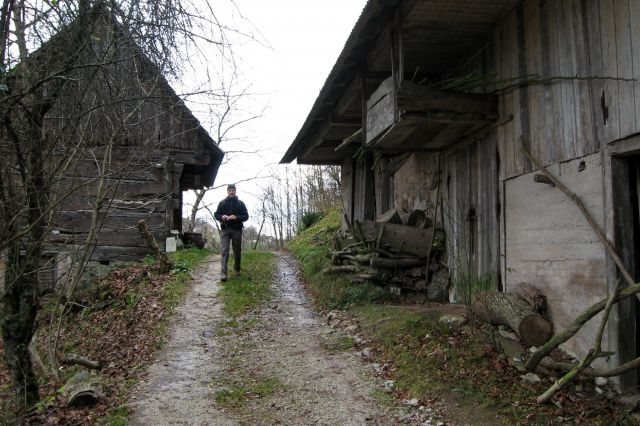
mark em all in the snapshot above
pixel 203 158
pixel 435 35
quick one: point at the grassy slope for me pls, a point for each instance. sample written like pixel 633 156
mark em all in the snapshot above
pixel 312 248
pixel 432 361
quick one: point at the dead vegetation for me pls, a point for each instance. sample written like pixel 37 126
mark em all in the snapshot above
pixel 119 326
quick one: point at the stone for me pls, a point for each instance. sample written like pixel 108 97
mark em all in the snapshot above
pixel 601 381
pixel 438 288
pixel 531 378
pixel 414 402
pixel 452 320
pixel 366 352
pixel 351 328
pixel 389 385
pixel 331 316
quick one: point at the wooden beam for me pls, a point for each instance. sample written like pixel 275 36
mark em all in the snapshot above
pixel 413 240
pixel 414 97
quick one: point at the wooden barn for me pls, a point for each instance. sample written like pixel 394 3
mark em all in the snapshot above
pixel 121 146
pixel 428 107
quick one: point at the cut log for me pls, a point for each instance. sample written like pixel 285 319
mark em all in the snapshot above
pixel 419 219
pixel 407 262
pixel 83 390
pixel 412 240
pixel 510 310
pixel 390 216
pixel 532 295
pixel 340 269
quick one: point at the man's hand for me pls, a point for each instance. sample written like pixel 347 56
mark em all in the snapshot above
pixel 232 217
pixel 225 217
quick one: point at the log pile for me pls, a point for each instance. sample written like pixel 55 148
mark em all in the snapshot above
pixel 389 252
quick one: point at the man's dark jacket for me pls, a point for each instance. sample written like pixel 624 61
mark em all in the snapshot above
pixel 229 206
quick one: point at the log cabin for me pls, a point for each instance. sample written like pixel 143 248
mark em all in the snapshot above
pixel 120 146
pixel 428 106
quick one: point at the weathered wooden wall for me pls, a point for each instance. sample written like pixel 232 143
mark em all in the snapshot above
pixel 347 175
pixel 567 119
pixel 470 210
pixel 363 189
pixel 565 122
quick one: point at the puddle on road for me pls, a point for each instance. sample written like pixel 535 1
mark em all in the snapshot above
pixel 292 291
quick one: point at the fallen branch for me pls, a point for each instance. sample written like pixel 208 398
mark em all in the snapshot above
pixel 590 371
pixel 632 289
pixel 78 360
pixel 576 325
pixel 592 355
pixel 165 263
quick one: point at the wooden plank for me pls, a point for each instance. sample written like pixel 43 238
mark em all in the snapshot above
pixel 586 142
pixel 111 253
pixel 634 16
pixel 507 53
pixel 407 238
pixel 626 99
pixel 610 105
pixel 413 97
pixel 566 67
pixel 591 35
pixel 381 111
pixel 78 221
pixel 533 51
pixel 547 147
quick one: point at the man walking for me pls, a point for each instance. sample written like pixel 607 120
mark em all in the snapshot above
pixel 231 213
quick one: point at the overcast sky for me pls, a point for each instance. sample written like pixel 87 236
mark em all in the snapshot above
pixel 301 40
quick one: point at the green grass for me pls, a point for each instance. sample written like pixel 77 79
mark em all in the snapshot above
pixel 312 248
pixel 238 394
pixel 252 288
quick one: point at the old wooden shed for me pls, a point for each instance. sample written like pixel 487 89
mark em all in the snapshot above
pixel 425 108
pixel 120 146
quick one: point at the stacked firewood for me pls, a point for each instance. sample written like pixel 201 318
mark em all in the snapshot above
pixel 389 251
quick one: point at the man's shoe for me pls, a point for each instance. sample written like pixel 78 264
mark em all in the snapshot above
pixel 223 277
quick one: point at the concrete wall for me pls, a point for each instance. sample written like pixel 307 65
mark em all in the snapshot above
pixel 549 244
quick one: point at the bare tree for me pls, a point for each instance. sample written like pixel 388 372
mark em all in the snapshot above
pixel 52 61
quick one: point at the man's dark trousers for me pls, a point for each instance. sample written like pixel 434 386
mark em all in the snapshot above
pixel 230 237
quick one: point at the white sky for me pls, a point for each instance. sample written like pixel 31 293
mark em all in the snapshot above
pixel 305 38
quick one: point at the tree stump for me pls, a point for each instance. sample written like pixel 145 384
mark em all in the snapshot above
pixel 510 310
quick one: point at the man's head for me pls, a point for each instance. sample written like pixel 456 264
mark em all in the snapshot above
pixel 231 190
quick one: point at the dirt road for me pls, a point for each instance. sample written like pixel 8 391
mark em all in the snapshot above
pixel 280 365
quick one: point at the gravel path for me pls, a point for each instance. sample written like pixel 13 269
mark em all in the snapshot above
pixel 280 365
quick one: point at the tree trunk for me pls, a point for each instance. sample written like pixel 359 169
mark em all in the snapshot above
pixel 512 311
pixel 18 325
